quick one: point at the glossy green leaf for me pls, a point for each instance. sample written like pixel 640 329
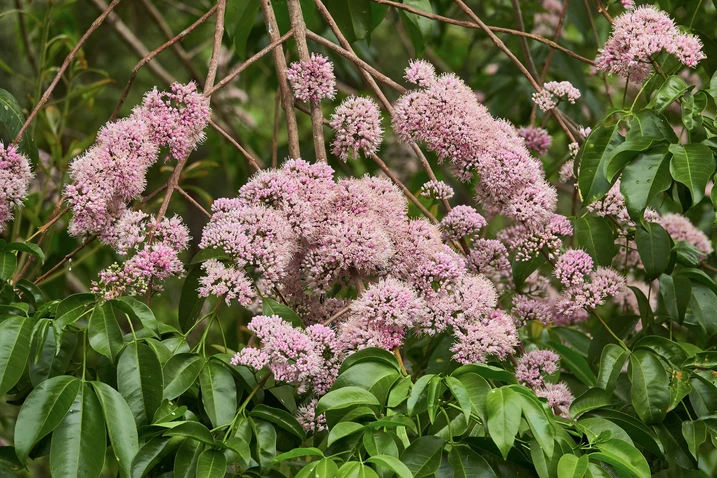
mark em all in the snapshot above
pixel 675 292
pixel 624 154
pixel 417 27
pixel 180 373
pixel 590 400
pixel 478 389
pixel 190 304
pixel 692 165
pixel 488 372
pixel 120 425
pixel 211 253
pixel 52 360
pixel 29 247
pixel 271 307
pixel 460 393
pixel 654 245
pixel 342 430
pixel 593 427
pixel 151 453
pixel 298 452
pixel 42 412
pixel 8 263
pixel 391 463
pixel 265 442
pixel 104 332
pixel 695 434
pixel 570 466
pixel 78 442
pixel 468 464
pixel 241 15
pixel 622 456
pixel 644 178
pixel 670 90
pixel 596 236
pixel 593 156
pixel 663 347
pixel 15 335
pixel 211 464
pixel 71 308
pixel 423 456
pixel 219 393
pixel 647 122
pixel 139 381
pixel 612 360
pixel 504 409
pixel 137 310
pixel 370 354
pixel 703 304
pixel 576 363
pixel 650 392
pixel 33 293
pixel 538 421
pixel 345 398
pixel 12 118
pixel 638 431
pixel 352 16
pixel 280 418
pixel 194 430
pixel 185 461
pixel 354 469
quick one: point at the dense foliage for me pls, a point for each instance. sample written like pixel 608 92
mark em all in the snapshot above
pixel 358 238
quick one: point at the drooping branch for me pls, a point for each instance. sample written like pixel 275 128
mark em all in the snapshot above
pixel 216 49
pixel 287 97
pixel 46 96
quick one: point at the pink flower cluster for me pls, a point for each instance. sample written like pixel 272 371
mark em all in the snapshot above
pixel 445 115
pixel 15 176
pixel 552 92
pixel 559 398
pixel 154 260
pixel 533 366
pixel 436 190
pixel 537 140
pixel 462 221
pixel 318 241
pixel 640 33
pixel 357 122
pixel 309 358
pixel 113 171
pixel 681 229
pixel 312 80
pixel 572 267
pixel 495 336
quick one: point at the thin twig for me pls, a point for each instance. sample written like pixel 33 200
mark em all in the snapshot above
pixel 275 136
pixel 146 59
pixel 337 315
pixel 250 159
pixel 216 49
pixel 65 259
pixel 280 66
pixel 46 96
pixel 194 203
pixel 296 17
pixel 530 64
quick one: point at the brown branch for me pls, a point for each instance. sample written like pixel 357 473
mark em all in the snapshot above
pixel 523 42
pixel 275 136
pixel 236 71
pixel 250 159
pixel 65 259
pixel 280 66
pixel 297 22
pixel 350 55
pixel 475 26
pixel 603 11
pixel 169 35
pixel 193 202
pixel 146 59
pixel 216 49
pixel 61 71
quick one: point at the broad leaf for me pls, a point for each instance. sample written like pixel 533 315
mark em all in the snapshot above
pixel 593 156
pixel 644 178
pixel 104 332
pixel 650 392
pixel 120 425
pixel 15 335
pixel 692 165
pixel 504 409
pixel 139 381
pixel 596 236
pixel 654 245
pixel 180 373
pixel 219 393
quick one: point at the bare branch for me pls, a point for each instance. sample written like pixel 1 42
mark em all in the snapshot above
pixel 218 35
pixel 250 159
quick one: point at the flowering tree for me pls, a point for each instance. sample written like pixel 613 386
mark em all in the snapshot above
pixel 370 249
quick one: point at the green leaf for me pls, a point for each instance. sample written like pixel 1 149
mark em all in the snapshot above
pixel 423 456
pixel 78 442
pixel 185 461
pixel 29 247
pixel 370 354
pixel 647 122
pixel 52 361
pixel 650 391
pixel 504 409
pixel 640 434
pixel 590 400
pixel 393 464
pixel 271 307
pixel 703 304
pixel 33 293
pixel 12 118
pixel 151 453
pixel 265 436
pixel 347 397
pixel 8 262
pixel 139 381
pixel 241 15
pixel 376 377
pixel 623 154
pixel 663 347
pixel 695 434
pixel 592 182
pixel 190 304
pixel 417 27
pixel 692 165
pixel 206 254
pixel 622 456
pixel 612 360
pixel 71 308
pixel 104 332
pixel 654 245
pixel 596 236
pixel 675 292
pixel 297 452
pixel 211 464
pixel 644 178
pixel 280 418
pixel 342 430
pixel 120 425
pixel 593 427
pixel 354 469
pixel 353 17
pixel 42 412
pixel 478 389
pixel 193 430
pixel 180 373
pixel 468 464
pixel 219 393
pixel 138 311
pixel 540 424
pixel 523 269
pixel 575 362
pixel 460 393
pixel 670 90
pixel 570 466
pixel 15 335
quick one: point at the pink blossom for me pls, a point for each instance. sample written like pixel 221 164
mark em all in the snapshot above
pixel 559 398
pixel 494 336
pixel 436 190
pixel 681 229
pixel 640 33
pixel 420 72
pixel 572 267
pixel 462 221
pixel 306 416
pixel 567 171
pixel 230 282
pixel 552 92
pixel 526 308
pixel 533 366
pixel 527 241
pixel 537 140
pixel 15 176
pixel 313 79
pixel 357 122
